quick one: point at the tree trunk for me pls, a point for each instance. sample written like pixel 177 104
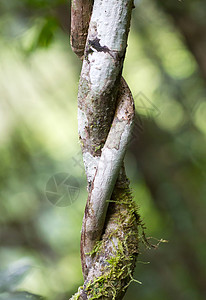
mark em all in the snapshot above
pixel 109 240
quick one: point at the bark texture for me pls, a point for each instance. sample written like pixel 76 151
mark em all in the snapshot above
pixel 109 239
pixel 80 15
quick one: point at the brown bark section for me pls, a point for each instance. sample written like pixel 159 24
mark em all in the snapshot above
pixel 99 110
pixel 80 15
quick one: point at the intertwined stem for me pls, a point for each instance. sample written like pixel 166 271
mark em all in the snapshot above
pixel 109 241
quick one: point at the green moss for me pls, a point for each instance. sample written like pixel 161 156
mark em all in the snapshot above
pixel 76 296
pixel 97 148
pixel 95 249
pixel 117 271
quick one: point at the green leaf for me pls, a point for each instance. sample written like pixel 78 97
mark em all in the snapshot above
pixel 45 32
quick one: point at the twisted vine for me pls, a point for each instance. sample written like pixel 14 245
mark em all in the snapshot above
pixel 109 237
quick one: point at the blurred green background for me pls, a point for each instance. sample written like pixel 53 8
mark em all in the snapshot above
pixel 165 67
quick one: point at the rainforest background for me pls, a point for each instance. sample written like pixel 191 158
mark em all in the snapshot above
pixel 40 220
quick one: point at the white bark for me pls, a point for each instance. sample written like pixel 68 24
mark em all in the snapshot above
pixel 108 168
pixel 101 71
pixel 105 117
